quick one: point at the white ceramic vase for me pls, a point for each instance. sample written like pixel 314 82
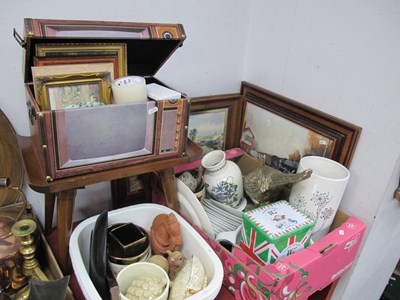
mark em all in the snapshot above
pixel 320 195
pixel 223 179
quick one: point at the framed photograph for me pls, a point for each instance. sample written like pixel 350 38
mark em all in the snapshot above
pixel 72 50
pixel 119 69
pixel 280 130
pixel 214 121
pixel 72 86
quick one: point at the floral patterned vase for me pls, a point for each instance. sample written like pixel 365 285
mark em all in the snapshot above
pixel 320 195
pixel 223 179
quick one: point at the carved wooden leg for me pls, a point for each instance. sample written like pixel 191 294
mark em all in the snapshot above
pixel 49 201
pixel 65 207
pixel 169 185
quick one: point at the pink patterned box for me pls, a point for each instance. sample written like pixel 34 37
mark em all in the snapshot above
pixel 298 275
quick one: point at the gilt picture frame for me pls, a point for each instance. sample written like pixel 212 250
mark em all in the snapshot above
pixel 73 50
pixel 214 121
pixel 73 86
pixel 119 68
pixel 280 130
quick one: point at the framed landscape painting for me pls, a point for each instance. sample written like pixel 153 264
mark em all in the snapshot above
pixel 208 129
pixel 214 122
pixel 280 131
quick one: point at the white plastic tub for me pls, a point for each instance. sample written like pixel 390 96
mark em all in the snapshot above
pixel 143 215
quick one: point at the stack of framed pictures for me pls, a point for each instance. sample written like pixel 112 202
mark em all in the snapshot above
pixel 76 75
pixel 270 127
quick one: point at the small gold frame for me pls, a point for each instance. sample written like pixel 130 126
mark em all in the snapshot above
pixel 66 86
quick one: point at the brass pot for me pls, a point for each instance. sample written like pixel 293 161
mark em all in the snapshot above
pixel 12 278
pixel 11 274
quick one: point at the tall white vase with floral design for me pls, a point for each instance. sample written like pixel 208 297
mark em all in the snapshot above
pixel 320 195
pixel 223 179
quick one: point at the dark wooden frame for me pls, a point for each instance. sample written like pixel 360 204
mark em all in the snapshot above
pixel 234 104
pixel 345 134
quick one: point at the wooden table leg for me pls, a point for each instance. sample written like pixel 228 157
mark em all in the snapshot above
pixel 170 191
pixel 146 179
pixel 65 207
pixel 49 201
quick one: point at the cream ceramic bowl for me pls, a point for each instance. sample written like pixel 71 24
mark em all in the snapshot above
pixel 137 271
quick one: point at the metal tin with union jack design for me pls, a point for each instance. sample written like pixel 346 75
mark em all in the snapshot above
pixel 273 231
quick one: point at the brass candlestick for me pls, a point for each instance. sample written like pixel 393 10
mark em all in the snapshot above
pixel 24 230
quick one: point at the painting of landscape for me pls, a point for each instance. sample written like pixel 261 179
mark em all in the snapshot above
pixel 266 135
pixel 208 129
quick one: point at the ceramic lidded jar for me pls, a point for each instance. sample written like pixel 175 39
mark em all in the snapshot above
pixel 223 179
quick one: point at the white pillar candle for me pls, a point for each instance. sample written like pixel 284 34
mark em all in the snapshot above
pixel 129 89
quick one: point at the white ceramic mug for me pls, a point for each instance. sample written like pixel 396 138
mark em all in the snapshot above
pixel 201 192
pixel 319 196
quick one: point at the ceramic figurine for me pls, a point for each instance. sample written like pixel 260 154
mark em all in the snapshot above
pixel 265 183
pixel 165 234
pixel 175 262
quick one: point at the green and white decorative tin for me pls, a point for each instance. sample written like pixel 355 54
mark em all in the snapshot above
pixel 274 231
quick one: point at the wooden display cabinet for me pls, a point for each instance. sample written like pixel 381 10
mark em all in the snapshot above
pixel 88 139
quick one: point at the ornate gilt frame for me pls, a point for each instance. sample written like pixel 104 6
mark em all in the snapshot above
pixel 63 76
pixel 119 70
pixel 85 49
